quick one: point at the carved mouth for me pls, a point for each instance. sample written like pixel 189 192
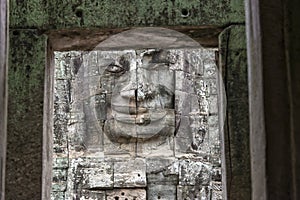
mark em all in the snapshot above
pixel 129 110
pixel 141 116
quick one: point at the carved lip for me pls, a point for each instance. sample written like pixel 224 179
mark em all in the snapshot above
pixel 140 117
pixel 129 110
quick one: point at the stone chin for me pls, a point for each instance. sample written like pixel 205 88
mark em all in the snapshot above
pixel 142 127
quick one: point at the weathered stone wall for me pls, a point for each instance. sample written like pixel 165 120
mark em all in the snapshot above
pixel 27 60
pixel 25 115
pixel 89 163
pixel 233 68
pixel 105 14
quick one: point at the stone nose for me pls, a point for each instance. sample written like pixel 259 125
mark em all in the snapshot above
pixel 129 91
pixel 128 94
pixel 137 92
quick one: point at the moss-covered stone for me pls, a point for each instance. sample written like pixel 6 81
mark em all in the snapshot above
pixel 55 14
pixel 234 60
pixel 25 115
pixel 29 14
pixel 233 65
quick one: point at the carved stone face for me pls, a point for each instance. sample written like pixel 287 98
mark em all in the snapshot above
pixel 141 103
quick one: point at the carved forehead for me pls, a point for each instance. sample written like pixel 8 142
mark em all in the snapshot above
pixel 150 37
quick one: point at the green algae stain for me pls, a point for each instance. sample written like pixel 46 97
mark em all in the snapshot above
pixel 56 14
pixel 26 69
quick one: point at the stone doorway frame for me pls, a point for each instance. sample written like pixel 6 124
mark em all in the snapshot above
pixel 207 36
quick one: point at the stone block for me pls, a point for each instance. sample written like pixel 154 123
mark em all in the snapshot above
pixel 115 149
pixel 193 173
pixel 193 192
pixel 60 150
pixel 76 117
pixel 60 162
pixel 90 173
pixel 130 173
pixel 100 106
pixel 91 85
pixel 90 59
pixel 162 178
pixel 91 195
pixel 216 174
pixel 162 171
pixel 182 103
pixel 210 69
pixel 208 54
pixel 62 89
pixel 216 191
pixel 214 138
pixel 213 121
pixel 184 81
pixel 193 60
pixel 126 194
pixel 213 104
pixel 194 102
pixel 182 146
pixel 175 59
pixel 92 137
pixel 57 195
pixel 59 180
pixel 203 106
pixel 184 129
pixel 215 160
pixel 201 143
pixel 76 137
pixel 212 86
pixel 157 147
pixel 162 192
pixel 67 64
pixel 158 164
pixel 187 147
pixel 60 138
pixel 100 176
pixel 188 136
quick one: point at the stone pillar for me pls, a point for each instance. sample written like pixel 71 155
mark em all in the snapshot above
pixel 25 114
pixel 3 90
pixel 235 132
pixel 273 52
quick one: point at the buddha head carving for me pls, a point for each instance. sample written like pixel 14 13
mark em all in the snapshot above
pixel 140 103
pixel 143 95
pixel 144 86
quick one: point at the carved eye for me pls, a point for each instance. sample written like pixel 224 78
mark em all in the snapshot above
pixel 113 68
